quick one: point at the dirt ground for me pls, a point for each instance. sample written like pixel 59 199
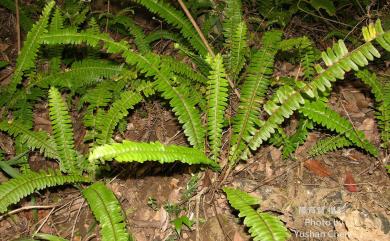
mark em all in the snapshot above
pixel 313 205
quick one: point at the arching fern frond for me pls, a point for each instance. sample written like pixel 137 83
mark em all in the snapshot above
pixel 323 115
pixel 253 91
pixel 262 226
pixel 177 19
pixel 339 60
pixel 86 72
pixel 33 139
pixel 107 211
pixel 136 31
pixel 15 189
pixel 62 131
pixel 107 122
pixel 217 94
pixel 29 51
pixel 329 144
pixel 149 64
pixel 129 151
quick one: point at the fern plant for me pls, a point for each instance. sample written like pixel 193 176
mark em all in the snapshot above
pixel 262 225
pixel 190 90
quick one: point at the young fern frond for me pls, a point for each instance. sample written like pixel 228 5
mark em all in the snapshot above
pixel 136 31
pixel 33 139
pixel 239 50
pixel 233 18
pixel 29 51
pixel 262 226
pixel 107 211
pixel 106 123
pixel 329 144
pixel 236 38
pixel 62 131
pixel 339 60
pixel 178 20
pixel 149 64
pixel 381 93
pixel 217 96
pixel 15 189
pixel 129 151
pixel 323 115
pixel 253 91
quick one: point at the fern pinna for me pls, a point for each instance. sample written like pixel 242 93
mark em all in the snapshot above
pixel 262 226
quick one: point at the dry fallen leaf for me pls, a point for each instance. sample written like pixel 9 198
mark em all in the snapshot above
pixel 317 168
pixel 349 182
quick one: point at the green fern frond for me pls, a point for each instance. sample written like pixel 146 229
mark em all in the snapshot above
pixel 217 94
pixel 57 21
pixel 148 64
pixel 107 122
pixel 99 96
pixel 232 19
pixel 84 73
pixel 262 226
pixel 107 211
pixel 29 51
pixel 291 143
pixel 384 116
pixel 235 31
pixel 15 189
pixel 323 115
pixel 372 81
pixel 62 131
pixel 329 144
pixel 184 70
pixel 178 20
pixel 136 31
pixel 253 91
pixel 339 60
pixel 381 93
pixel 163 34
pixel 129 151
pixel 33 139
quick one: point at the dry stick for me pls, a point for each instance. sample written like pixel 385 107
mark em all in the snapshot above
pixel 75 221
pixel 204 40
pixel 44 221
pixel 17 27
pixel 27 208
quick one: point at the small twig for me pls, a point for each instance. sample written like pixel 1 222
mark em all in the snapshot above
pixel 201 35
pixel 17 25
pixel 108 12
pixel 44 221
pixel 75 221
pixel 27 208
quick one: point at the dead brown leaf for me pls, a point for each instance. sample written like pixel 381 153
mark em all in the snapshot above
pixel 317 168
